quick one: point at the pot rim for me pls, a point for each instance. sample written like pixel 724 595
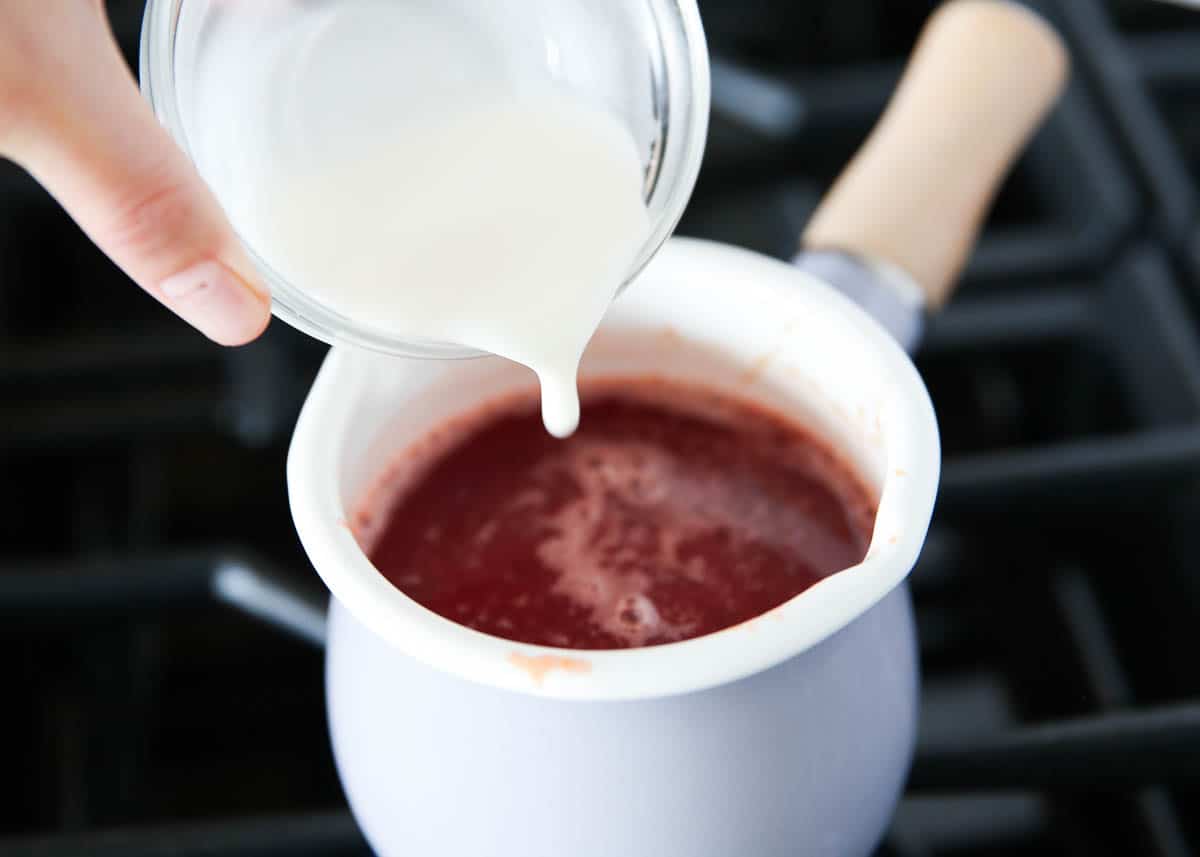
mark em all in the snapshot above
pixel 907 492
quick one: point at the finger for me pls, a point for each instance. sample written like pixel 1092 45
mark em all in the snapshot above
pixel 89 138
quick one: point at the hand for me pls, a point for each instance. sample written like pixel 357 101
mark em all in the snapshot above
pixel 71 114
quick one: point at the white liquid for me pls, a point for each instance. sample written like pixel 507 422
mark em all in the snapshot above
pixel 461 207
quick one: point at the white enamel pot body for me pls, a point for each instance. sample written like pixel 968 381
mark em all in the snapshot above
pixel 790 734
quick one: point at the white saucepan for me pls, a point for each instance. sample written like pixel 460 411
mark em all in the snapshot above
pixel 788 735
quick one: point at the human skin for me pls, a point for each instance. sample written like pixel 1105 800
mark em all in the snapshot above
pixel 72 116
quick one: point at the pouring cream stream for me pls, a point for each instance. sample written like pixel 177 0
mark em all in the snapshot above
pixel 469 206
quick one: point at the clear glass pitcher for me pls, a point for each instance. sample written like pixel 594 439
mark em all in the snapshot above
pixel 644 61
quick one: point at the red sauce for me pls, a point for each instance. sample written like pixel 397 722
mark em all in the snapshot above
pixel 671 513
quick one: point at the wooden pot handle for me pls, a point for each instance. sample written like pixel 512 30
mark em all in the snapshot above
pixel 983 75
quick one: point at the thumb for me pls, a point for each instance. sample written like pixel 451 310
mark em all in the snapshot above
pixel 87 136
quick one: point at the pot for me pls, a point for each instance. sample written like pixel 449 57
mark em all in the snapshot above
pixel 789 734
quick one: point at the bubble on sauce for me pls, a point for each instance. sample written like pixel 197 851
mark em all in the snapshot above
pixel 638 614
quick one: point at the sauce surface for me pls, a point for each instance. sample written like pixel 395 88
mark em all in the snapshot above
pixel 671 513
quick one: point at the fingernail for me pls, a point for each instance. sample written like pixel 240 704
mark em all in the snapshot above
pixel 217 302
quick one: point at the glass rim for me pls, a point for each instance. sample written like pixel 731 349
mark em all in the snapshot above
pixel 298 309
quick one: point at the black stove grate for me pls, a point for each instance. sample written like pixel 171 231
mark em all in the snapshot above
pixel 165 682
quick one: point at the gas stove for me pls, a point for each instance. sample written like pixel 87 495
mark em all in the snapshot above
pixel 164 627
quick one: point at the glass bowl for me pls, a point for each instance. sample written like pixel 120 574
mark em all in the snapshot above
pixel 644 61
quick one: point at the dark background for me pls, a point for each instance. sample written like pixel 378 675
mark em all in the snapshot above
pixel 1058 596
